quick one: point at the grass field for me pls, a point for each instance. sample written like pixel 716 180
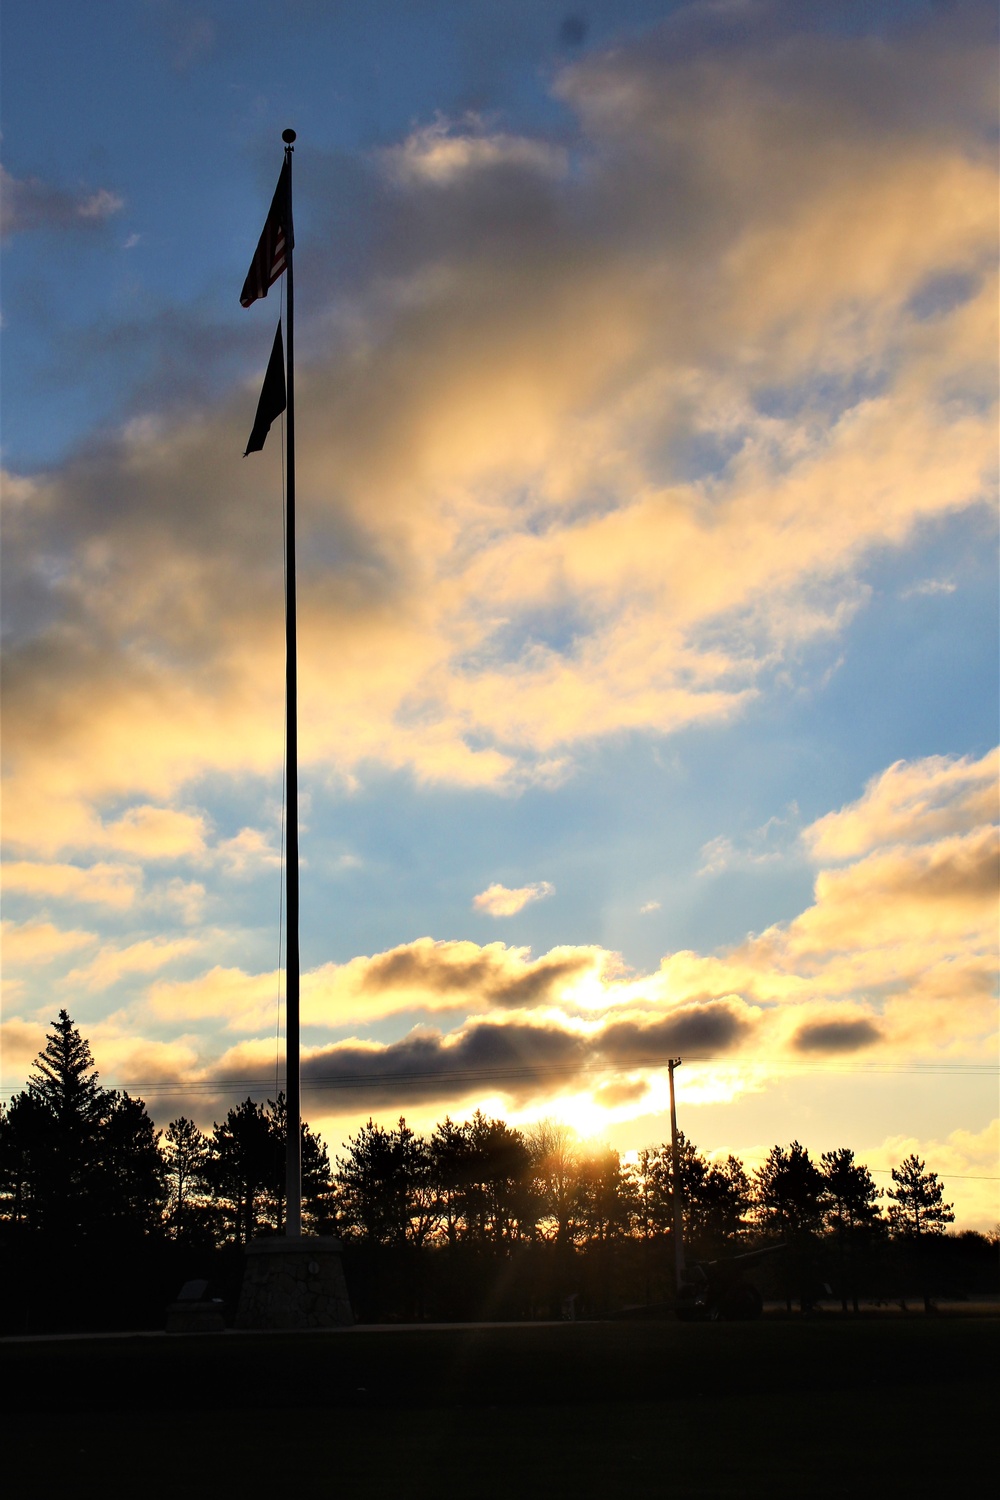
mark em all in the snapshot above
pixel 825 1407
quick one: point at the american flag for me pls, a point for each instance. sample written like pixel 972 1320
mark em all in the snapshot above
pixel 276 239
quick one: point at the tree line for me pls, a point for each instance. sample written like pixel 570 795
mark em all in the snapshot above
pixel 476 1216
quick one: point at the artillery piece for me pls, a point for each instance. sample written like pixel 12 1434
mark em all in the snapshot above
pixel 717 1290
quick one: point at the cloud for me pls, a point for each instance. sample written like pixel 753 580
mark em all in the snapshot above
pixel 500 901
pixel 441 155
pixel 424 975
pixel 894 961
pixel 894 958
pixel 244 1001
pixel 40 942
pixel 909 803
pixel 157 833
pixel 115 886
pixel 928 587
pixel 582 452
pixel 649 906
pixel 20 1043
pixel 518 1059
pixel 28 204
pixel 247 853
pixel 836 1035
pixel 717 855
pixel 143 957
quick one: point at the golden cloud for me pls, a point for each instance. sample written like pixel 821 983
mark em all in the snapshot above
pixel 117 886
pixel 144 957
pixel 40 942
pixel 501 901
pixel 499 435
pixel 911 802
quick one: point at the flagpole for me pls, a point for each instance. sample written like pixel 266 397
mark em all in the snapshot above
pixel 293 1168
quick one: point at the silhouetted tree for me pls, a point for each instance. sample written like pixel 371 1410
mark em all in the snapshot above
pixel 918 1214
pixel 852 1214
pixel 499 1205
pixel 68 1107
pixel 185 1152
pixel 242 1168
pixel 789 1202
pixel 25 1128
pixel 605 1196
pixel 554 1166
pixel 384 1185
pixel 130 1178
pixel 652 1218
pixel 448 1155
pixel 916 1202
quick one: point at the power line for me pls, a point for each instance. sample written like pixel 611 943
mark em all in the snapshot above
pixel 527 1072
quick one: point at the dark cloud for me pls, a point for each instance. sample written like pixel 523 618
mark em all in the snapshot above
pixel 538 981
pixel 836 1036
pixel 486 976
pixel 427 969
pixel 516 1059
pixel 29 203
pixel 625 1091
pixel 715 1027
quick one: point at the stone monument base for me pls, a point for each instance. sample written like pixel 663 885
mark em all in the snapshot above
pixel 294 1283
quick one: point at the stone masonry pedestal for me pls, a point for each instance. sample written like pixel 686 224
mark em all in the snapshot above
pixel 294 1283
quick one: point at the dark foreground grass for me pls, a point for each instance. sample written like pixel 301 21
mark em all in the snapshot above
pixel 775 1409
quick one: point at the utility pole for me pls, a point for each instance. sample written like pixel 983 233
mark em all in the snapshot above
pixel 675 1154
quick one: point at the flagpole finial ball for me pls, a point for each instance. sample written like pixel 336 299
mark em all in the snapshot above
pixel 288 136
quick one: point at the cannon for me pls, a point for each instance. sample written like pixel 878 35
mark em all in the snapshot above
pixel 718 1290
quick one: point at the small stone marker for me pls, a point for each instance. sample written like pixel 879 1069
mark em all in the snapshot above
pixel 194 1311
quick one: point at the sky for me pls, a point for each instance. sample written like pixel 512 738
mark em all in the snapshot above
pixel 646 378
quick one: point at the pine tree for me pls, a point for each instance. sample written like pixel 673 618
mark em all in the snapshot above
pixel 916 1202
pixel 789 1202
pixel 70 1106
pixel 244 1168
pixel 64 1079
pixel 852 1213
pixel 130 1182
pixel 918 1214
pixel 384 1184
pixel 185 1155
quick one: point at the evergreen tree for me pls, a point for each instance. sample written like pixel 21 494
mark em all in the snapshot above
pixel 69 1109
pixel 185 1153
pixel 448 1157
pixel 917 1216
pixel 129 1181
pixel 24 1129
pixel 789 1202
pixel 63 1078
pixel 243 1168
pixel 385 1185
pixel 916 1202
pixel 852 1214
pixel 499 1204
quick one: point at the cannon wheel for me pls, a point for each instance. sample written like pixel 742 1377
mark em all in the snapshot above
pixel 741 1304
